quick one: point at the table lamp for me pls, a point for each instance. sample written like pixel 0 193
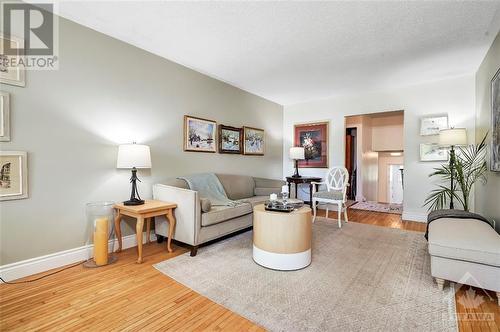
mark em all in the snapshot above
pixel 133 156
pixel 451 138
pixel 297 153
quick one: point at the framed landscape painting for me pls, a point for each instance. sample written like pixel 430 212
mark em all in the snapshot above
pixel 230 139
pixel 15 74
pixel 314 138
pixel 432 125
pixel 199 134
pixel 4 117
pixel 432 152
pixel 13 175
pixel 254 141
pixel 495 123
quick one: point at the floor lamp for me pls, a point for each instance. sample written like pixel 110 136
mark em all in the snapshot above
pixel 451 138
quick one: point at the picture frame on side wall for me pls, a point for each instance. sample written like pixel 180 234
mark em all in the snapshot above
pixel 13 175
pixel 254 141
pixel 430 126
pixel 314 138
pixel 13 75
pixel 230 139
pixel 200 135
pixel 495 123
pixel 433 152
pixel 4 116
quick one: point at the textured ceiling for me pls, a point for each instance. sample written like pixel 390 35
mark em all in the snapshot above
pixel 291 52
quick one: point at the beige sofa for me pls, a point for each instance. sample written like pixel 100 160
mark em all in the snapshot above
pixel 195 227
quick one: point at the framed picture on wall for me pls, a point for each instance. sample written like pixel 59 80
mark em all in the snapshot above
pixel 433 152
pixel 13 175
pixel 314 138
pixel 432 125
pixel 495 123
pixel 15 74
pixel 254 141
pixel 199 134
pixel 4 117
pixel 230 139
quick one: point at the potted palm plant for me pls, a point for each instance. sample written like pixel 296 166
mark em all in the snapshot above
pixel 469 166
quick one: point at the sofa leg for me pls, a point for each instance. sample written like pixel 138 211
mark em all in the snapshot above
pixel 440 283
pixel 194 251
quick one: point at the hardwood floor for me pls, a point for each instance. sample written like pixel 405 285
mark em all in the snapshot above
pixel 132 297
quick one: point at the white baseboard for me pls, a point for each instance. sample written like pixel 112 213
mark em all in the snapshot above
pixel 414 216
pixel 35 265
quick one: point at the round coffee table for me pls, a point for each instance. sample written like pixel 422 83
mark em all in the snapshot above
pixel 282 241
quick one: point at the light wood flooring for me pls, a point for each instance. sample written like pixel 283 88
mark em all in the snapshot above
pixel 127 296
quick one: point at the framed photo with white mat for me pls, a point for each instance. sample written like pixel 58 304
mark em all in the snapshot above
pixel 4 116
pixel 12 70
pixel 433 152
pixel 13 175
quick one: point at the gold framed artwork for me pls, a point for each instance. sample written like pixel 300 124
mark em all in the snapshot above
pixel 4 116
pixel 13 175
pixel 11 72
pixel 254 141
pixel 199 134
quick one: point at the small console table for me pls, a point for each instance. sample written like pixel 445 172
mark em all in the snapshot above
pixel 302 179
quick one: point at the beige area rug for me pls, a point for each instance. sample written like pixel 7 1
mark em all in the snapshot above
pixel 362 278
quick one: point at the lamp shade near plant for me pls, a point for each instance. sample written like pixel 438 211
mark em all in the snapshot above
pixel 133 156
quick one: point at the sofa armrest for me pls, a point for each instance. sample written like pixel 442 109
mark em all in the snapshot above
pixel 187 213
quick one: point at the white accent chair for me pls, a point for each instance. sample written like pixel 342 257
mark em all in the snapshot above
pixel 337 180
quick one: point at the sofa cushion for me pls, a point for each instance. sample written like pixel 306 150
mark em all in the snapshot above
pixel 464 239
pixel 266 191
pixel 332 194
pixel 237 186
pixel 268 183
pixel 255 200
pixel 218 214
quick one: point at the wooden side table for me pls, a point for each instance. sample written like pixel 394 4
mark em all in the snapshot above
pixel 144 212
pixel 303 179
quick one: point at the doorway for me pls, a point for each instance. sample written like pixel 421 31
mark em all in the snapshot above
pixel 374 158
pixel 350 160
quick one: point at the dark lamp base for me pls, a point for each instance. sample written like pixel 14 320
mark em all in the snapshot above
pixel 296 176
pixel 134 201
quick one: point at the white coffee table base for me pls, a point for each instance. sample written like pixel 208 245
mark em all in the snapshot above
pixel 285 262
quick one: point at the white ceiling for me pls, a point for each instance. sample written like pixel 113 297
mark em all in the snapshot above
pixel 290 52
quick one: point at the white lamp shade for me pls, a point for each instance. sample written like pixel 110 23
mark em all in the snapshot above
pixel 453 136
pixel 133 155
pixel 297 153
